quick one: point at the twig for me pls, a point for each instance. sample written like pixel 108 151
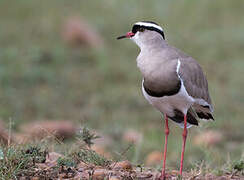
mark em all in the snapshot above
pixel 51 134
pixel 123 153
pixel 9 131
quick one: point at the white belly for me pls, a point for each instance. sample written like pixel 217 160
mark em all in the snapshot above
pixel 167 104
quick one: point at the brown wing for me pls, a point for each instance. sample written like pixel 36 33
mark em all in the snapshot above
pixel 196 86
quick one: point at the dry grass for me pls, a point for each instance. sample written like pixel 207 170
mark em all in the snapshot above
pixel 81 162
pixel 28 162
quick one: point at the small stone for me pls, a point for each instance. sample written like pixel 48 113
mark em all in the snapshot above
pixel 35 178
pixel 22 178
pixel 125 165
pixel 99 174
pixel 62 175
pixel 80 169
pixel 114 178
pixel 82 175
pixel 222 178
pixel 82 166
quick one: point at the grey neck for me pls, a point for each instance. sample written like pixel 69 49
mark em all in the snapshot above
pixel 152 45
pixel 151 56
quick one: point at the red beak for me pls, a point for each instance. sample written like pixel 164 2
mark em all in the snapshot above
pixel 128 35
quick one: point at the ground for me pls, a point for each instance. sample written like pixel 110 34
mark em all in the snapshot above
pixel 85 160
pixel 35 163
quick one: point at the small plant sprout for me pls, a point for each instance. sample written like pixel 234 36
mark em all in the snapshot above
pixel 239 165
pixel 87 136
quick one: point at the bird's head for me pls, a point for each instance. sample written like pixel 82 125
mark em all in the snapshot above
pixel 145 32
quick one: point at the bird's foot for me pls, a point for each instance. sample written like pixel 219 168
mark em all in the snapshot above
pixel 163 177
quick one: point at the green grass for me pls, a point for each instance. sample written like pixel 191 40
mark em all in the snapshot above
pixel 32 161
pixel 24 161
pixel 19 161
pixel 43 78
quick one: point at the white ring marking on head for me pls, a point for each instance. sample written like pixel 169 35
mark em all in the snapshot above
pixel 147 24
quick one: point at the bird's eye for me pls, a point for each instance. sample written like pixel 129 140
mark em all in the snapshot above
pixel 141 29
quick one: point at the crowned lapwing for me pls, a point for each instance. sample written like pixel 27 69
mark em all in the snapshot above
pixel 173 82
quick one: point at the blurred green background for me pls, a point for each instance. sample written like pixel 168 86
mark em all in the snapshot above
pixel 44 78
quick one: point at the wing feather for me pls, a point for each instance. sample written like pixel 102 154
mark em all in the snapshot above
pixel 196 86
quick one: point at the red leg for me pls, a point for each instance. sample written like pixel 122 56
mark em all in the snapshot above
pixel 165 146
pixel 184 135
